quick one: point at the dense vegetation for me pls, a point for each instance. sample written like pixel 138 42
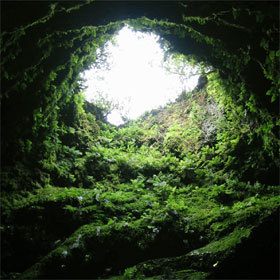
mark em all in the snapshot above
pixel 188 191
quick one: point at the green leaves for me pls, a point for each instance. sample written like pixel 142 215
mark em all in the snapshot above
pixel 75 59
pixel 52 76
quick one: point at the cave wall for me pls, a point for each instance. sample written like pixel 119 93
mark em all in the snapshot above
pixel 44 46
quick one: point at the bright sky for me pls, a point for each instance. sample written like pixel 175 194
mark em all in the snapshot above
pixel 136 78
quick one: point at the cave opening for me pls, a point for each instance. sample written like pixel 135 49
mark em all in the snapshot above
pixel 188 191
pixel 135 74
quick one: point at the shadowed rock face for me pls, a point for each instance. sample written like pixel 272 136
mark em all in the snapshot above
pixel 257 258
pixel 188 191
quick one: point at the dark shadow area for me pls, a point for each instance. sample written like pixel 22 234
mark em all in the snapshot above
pixel 256 258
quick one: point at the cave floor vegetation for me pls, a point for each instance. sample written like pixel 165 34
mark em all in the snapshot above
pixel 189 190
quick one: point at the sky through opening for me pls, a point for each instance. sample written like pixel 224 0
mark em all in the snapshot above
pixel 136 78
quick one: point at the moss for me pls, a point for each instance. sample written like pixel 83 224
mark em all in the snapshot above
pixel 168 196
pixel 200 262
pixel 131 273
pixel 190 274
pixel 225 244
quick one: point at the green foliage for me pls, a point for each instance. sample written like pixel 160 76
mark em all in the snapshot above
pixel 197 173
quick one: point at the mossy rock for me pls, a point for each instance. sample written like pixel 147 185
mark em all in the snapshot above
pixel 101 250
